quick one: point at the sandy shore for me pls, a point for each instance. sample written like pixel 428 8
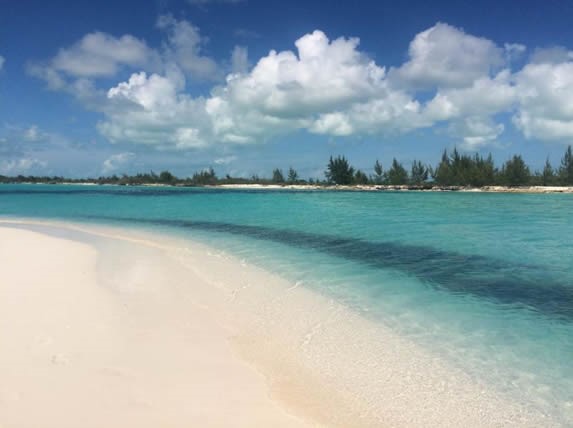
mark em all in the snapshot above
pixel 404 188
pixel 116 328
pixel 77 354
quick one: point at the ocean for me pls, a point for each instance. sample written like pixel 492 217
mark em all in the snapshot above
pixel 481 280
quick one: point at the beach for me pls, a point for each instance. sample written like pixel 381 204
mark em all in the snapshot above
pixel 75 353
pixel 107 327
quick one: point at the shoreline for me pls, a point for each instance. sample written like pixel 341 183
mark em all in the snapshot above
pixel 342 188
pixel 82 346
pixel 321 361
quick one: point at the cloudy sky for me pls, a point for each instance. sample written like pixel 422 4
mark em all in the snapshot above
pixel 90 88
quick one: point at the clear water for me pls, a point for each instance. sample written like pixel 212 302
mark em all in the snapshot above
pixel 483 280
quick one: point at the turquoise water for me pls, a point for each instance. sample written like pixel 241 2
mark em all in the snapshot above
pixel 482 280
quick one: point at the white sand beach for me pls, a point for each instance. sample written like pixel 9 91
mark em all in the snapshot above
pixel 75 354
pixel 101 327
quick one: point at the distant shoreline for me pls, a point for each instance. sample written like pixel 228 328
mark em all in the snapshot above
pixel 354 188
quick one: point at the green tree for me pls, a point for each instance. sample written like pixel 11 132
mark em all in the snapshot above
pixel 378 177
pixel 397 174
pixel 360 177
pixel 292 175
pixel 278 176
pixel 205 177
pixel 566 170
pixel 548 175
pixel 339 171
pixel 443 173
pixel 419 172
pixel 484 171
pixel 515 172
pixel 166 177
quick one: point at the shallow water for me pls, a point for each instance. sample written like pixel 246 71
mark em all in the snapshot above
pixel 483 280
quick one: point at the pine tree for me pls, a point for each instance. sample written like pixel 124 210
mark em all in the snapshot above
pixel 378 173
pixel 278 176
pixel 548 175
pixel 397 174
pixel 515 172
pixel 566 170
pixel 339 171
pixel 360 178
pixel 292 176
pixel 419 172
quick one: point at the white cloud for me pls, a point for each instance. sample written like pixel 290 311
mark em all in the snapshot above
pixel 283 92
pixel 184 48
pixel 20 166
pixel 152 110
pixel 444 56
pixel 394 113
pixel 101 55
pixel 485 96
pixel 514 51
pixel 553 55
pixel 116 162
pixel 545 93
pixel 326 87
pixel 76 68
pixel 325 75
pixel 476 132
pixel 240 60
pixel 32 133
pixel 2 61
pixel 226 160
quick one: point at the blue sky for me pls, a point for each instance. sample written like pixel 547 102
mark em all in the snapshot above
pixel 90 88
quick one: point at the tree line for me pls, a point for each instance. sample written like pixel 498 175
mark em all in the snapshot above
pixel 453 169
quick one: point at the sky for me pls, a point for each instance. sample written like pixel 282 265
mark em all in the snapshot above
pixel 245 86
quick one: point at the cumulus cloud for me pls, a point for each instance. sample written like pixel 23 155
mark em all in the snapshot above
pixel 514 51
pixel 322 74
pixel 552 55
pixel 96 55
pixel 323 86
pixel 99 54
pixel 444 56
pixel 152 110
pixel 184 47
pixel 116 162
pixel 283 92
pixel 545 92
pixel 485 96
pixel 239 60
pixel 20 166
pixel 476 132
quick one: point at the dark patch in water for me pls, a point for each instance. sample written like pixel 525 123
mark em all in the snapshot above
pixel 525 286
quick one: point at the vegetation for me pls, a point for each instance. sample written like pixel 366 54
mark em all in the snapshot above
pixel 292 176
pixel 566 170
pixel 419 173
pixel 397 174
pixel 278 176
pixel 339 171
pixel 378 177
pixel 453 169
pixel 514 172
